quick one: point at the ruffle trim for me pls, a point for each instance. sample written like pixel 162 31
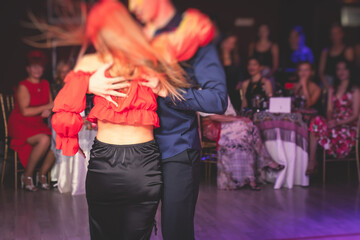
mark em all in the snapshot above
pixel 130 117
pixel 68 145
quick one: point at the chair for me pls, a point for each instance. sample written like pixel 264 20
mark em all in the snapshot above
pixel 352 157
pixel 7 105
pixel 242 95
pixel 324 100
pixel 209 152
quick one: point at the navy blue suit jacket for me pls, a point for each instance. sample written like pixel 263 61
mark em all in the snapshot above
pixel 178 120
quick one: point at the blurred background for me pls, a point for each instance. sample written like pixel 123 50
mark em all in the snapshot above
pixel 240 17
pixel 331 209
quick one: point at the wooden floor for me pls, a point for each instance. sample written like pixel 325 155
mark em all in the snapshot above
pixel 319 212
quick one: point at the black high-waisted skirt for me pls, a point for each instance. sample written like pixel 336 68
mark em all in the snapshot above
pixel 123 189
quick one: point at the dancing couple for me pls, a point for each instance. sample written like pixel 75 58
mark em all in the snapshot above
pixel 147 146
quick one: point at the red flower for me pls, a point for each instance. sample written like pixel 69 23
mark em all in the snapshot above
pixel 323 141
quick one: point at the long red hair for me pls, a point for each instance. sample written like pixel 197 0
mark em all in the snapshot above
pixel 112 30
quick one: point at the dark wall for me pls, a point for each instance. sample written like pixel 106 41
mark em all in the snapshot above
pixel 12 49
pixel 315 15
pixel 226 11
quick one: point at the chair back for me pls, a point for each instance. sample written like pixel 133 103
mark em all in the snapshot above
pixel 200 130
pixel 358 129
pixel 242 96
pixel 7 105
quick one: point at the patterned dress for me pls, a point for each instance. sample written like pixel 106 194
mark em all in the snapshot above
pixel 240 153
pixel 337 141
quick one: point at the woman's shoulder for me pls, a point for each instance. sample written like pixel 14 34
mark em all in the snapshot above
pixel 23 87
pixel 23 82
pixel 245 83
pixel 313 85
pixel 265 80
pixel 252 44
pixel 357 47
pixel 349 48
pixel 88 63
pixel 355 90
pixel 27 84
pixel 325 50
pixel 274 45
pixel 296 86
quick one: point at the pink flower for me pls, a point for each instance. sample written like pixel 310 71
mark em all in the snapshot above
pixel 318 120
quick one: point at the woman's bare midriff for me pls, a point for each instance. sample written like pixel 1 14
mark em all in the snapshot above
pixel 122 134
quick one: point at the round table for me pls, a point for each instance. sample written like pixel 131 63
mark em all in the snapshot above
pixel 285 136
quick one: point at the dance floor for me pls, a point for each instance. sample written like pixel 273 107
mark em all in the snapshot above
pixel 319 212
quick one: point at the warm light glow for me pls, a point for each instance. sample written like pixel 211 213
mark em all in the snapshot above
pixel 135 3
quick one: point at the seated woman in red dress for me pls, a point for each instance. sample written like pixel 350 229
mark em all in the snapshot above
pixel 336 134
pixel 30 136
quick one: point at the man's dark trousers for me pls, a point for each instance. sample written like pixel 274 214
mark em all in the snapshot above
pixel 181 175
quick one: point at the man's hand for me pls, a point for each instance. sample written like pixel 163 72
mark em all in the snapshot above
pixel 106 87
pixel 50 105
pixel 154 84
pixel 81 152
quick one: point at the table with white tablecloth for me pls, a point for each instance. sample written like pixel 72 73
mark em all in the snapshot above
pixel 285 136
pixel 70 172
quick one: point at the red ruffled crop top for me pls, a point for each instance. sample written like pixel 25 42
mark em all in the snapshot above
pixel 138 108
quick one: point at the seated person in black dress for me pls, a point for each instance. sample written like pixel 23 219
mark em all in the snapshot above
pixel 305 89
pixel 255 87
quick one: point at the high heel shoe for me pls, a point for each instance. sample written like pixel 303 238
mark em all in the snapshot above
pixel 254 187
pixel 277 169
pixel 41 181
pixel 28 187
